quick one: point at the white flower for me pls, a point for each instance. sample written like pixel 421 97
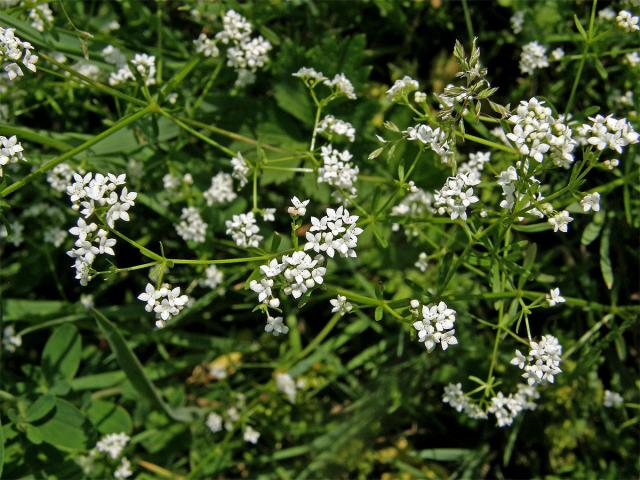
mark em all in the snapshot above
pixel 206 46
pixel 275 326
pixel 340 305
pixel 632 59
pixel 250 435
pixel 607 13
pixel 608 132
pixel 517 21
pixel 214 422
pixel 310 75
pixel 337 169
pixel 240 169
pixel 455 196
pixel 533 57
pixel 402 88
pixel 123 470
pixel 12 50
pixel 553 297
pixel 435 139
pixel 286 384
pixel 191 226
pixel 341 85
pixel 41 16
pixel 269 214
pixel 336 232
pixel 627 22
pixel 612 399
pixel 560 221
pixel 10 151
pixel 213 277
pixel 543 362
pixel 166 302
pixel 422 264
pixel 10 341
pixel 436 326
pixel 331 125
pixel 298 208
pixel 591 201
pixel 557 54
pixel 221 190
pixel 243 230
pixel 419 97
pixel 113 444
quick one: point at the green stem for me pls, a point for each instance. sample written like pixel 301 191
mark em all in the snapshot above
pixel 122 123
pixel 585 51
pixel 207 87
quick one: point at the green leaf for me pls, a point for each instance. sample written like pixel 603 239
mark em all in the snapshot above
pixel 132 368
pixel 605 260
pixel 108 417
pixel 65 427
pixel 445 454
pixel 580 27
pixel 34 434
pixel 592 230
pixel 40 408
pixel 378 313
pixel 61 355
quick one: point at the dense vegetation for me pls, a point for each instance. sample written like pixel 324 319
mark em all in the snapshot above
pixel 319 239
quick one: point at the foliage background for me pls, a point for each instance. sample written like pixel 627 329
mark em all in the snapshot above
pixel 373 402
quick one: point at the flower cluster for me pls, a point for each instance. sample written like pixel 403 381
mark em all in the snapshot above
pixel 113 444
pixel 543 362
pixel 191 226
pixel 165 301
pixel 506 409
pixel 435 139
pixel 59 177
pixel 339 84
pixel 331 125
pixel 10 341
pixel 240 169
pixel 96 194
pixel 10 151
pixel 13 50
pixel 612 399
pixel 287 385
pixel 413 206
pixel 144 64
pixel 337 169
pixel 401 89
pixel 244 230
pixel 436 325
pixel 245 55
pixel 41 16
pixel 221 190
pixel 213 277
pixel 536 132
pixel 456 195
pixel 301 272
pixel 533 57
pixel 609 132
pixel 627 22
pixel 335 232
pixel 454 396
pixel 422 263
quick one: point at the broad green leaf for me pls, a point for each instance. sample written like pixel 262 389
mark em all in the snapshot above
pixel 62 354
pixel 605 260
pixel 34 434
pixel 65 427
pixel 108 417
pixel 40 408
pixel 445 454
pixel 134 372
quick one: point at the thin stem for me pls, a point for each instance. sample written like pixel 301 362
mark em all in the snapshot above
pixel 467 20
pixel 585 51
pixel 315 125
pixel 80 148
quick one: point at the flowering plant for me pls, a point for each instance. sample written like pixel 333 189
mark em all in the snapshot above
pixel 251 246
